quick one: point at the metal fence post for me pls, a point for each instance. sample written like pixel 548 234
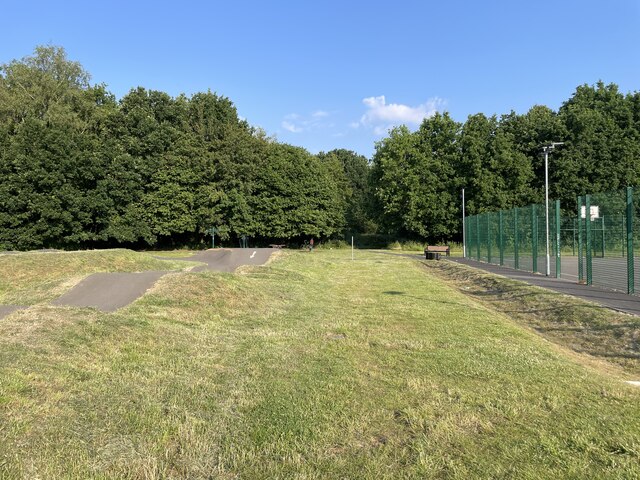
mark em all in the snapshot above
pixel 501 236
pixel 587 204
pixel 624 234
pixel 602 233
pixel 478 236
pixel 516 260
pixel 465 249
pixel 489 237
pixel 580 249
pixel 630 252
pixel 573 244
pixel 534 238
pixel 557 242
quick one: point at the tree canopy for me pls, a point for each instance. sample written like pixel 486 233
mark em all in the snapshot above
pixel 80 168
pixel 417 176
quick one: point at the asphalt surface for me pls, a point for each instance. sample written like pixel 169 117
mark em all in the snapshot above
pixel 110 291
pixel 226 259
pixel 608 298
pixel 9 309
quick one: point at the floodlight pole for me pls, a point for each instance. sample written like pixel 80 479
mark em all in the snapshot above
pixel 464 243
pixel 546 149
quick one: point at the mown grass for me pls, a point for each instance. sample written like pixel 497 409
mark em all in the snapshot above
pixel 34 277
pixel 182 253
pixel 582 326
pixel 312 367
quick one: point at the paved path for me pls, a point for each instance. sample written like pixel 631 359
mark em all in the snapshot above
pixel 9 309
pixel 608 298
pixel 109 291
pixel 227 259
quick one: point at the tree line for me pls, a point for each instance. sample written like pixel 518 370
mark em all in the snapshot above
pixel 417 177
pixel 81 169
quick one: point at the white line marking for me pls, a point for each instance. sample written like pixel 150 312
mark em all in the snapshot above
pixel 253 254
pixel 631 382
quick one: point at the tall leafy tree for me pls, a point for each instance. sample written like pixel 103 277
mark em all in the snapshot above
pixel 603 149
pixel 50 172
pixel 353 181
pixel 414 179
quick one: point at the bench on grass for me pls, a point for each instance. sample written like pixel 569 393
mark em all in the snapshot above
pixel 277 245
pixel 433 252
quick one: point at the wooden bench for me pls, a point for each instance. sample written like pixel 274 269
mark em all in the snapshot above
pixel 432 252
pixel 277 245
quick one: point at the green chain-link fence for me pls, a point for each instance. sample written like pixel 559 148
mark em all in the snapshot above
pixel 595 247
pixel 606 234
pixel 515 238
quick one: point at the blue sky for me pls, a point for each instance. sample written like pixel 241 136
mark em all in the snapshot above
pixel 337 74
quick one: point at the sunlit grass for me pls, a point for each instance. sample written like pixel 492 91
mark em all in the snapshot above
pixel 315 366
pixel 582 326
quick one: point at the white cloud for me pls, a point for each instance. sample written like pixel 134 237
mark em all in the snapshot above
pixel 296 123
pixel 291 127
pixel 381 116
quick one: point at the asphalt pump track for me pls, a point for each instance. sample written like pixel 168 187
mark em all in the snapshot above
pixel 110 291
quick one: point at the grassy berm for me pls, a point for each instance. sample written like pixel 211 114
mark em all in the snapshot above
pixel 582 326
pixel 314 366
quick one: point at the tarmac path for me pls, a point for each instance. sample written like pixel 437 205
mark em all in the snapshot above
pixel 226 259
pixel 615 300
pixel 110 291
pixel 9 309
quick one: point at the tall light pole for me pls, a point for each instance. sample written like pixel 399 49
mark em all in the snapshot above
pixel 464 240
pixel 546 149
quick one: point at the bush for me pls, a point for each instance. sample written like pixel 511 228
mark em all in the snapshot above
pixel 413 246
pixel 334 244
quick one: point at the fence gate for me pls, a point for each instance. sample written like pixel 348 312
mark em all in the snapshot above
pixel 606 240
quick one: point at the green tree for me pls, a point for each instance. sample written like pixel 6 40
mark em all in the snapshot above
pixel 602 150
pixel 355 186
pixel 414 179
pixel 51 122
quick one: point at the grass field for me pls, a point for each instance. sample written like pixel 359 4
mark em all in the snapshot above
pixel 312 367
